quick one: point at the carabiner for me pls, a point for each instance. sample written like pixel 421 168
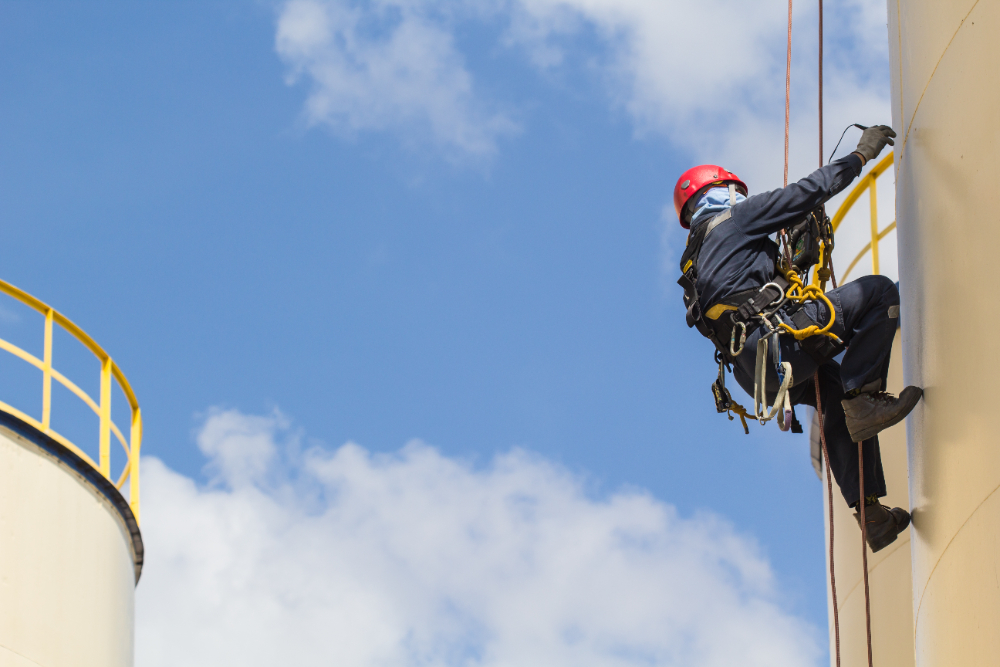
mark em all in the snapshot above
pixel 775 303
pixel 732 339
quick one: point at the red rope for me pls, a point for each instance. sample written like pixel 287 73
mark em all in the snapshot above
pixel 819 402
pixel 821 83
pixel 829 494
pixel 864 552
pixel 788 85
pixel 788 90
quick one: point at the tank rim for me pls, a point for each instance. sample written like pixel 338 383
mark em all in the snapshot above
pixel 87 472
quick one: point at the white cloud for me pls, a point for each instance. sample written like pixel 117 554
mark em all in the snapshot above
pixel 707 75
pixel 413 558
pixel 674 66
pixel 391 65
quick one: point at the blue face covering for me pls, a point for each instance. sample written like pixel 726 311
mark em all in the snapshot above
pixel 714 202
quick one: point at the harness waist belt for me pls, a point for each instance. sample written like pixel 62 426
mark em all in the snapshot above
pixel 767 294
pixel 748 303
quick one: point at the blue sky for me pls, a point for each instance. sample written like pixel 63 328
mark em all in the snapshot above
pixel 479 258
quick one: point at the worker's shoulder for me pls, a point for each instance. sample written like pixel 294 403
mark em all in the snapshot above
pixel 762 204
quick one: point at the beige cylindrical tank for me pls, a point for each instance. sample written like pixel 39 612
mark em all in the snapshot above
pixel 888 571
pixel 70 556
pixel 945 97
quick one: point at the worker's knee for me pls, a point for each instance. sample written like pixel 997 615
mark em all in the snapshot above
pixel 877 290
pixel 878 283
pixel 889 288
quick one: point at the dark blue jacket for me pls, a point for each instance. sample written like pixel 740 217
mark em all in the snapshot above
pixel 738 255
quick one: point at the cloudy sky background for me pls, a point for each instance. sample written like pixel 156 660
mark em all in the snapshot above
pixel 394 284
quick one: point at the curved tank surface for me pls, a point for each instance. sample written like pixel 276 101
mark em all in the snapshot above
pixel 70 554
pixel 944 103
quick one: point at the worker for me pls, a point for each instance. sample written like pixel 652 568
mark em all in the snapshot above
pixel 730 269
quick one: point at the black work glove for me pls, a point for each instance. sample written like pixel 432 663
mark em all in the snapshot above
pixel 873 140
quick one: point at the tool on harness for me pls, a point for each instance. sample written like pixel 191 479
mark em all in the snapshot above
pixel 808 239
pixel 723 399
pixel 812 246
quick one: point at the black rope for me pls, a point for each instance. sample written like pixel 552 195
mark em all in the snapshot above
pixel 860 127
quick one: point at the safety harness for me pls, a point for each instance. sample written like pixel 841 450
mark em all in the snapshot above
pixel 726 322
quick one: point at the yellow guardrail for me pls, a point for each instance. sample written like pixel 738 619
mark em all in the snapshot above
pixel 868 182
pixel 102 407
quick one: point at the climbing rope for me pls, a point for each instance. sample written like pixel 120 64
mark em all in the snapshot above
pixel 821 83
pixel 825 270
pixel 864 550
pixel 829 495
pixel 819 283
pixel 788 86
pixel 787 251
pixel 819 401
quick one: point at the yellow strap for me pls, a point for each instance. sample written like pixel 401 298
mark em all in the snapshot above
pixel 716 311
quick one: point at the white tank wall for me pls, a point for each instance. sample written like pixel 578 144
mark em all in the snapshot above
pixel 945 101
pixel 67 575
pixel 889 574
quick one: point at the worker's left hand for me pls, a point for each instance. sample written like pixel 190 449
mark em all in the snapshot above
pixel 873 140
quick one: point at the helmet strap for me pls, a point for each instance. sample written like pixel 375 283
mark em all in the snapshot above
pixel 732 195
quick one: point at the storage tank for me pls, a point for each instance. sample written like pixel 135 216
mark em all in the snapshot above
pixel 70 548
pixel 944 65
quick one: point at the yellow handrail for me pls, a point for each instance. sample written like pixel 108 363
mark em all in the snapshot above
pixel 868 182
pixel 109 370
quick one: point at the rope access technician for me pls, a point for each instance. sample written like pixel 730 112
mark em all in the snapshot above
pixel 732 282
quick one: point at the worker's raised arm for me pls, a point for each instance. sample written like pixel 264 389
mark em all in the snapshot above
pixel 771 211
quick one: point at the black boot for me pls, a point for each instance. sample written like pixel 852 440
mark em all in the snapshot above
pixel 883 524
pixel 870 413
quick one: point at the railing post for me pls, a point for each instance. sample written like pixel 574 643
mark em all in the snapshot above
pixel 135 442
pixel 47 372
pixel 105 459
pixel 872 190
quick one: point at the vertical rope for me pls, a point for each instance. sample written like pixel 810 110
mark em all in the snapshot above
pixel 819 402
pixel 788 85
pixel 788 90
pixel 829 494
pixel 864 551
pixel 821 83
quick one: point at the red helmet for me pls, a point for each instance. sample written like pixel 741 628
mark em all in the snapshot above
pixel 697 178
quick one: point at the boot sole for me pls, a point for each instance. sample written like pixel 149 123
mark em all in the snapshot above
pixel 882 544
pixel 889 539
pixel 872 431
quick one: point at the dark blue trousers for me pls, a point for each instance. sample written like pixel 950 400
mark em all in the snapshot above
pixel 867 311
